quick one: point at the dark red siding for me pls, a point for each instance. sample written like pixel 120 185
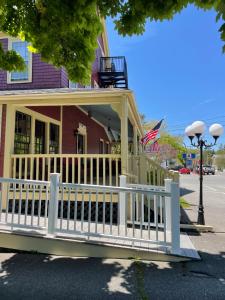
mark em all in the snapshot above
pixel 72 116
pixel 43 75
pixel 49 111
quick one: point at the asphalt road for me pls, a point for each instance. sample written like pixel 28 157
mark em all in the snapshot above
pixel 213 198
pixel 34 276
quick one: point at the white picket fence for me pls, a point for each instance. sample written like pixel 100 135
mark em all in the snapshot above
pixel 131 214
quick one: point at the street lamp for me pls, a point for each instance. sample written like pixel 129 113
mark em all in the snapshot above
pixel 196 130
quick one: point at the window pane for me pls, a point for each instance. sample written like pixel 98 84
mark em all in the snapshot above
pixel 80 144
pixel 39 137
pixel 22 133
pixel 21 48
pixel 54 139
pixel 101 147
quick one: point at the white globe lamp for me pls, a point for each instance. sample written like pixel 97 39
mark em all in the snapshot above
pixel 216 130
pixel 189 132
pixel 198 128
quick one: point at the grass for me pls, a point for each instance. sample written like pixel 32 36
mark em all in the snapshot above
pixel 139 273
pixel 183 203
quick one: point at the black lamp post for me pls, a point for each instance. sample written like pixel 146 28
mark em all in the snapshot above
pixel 196 130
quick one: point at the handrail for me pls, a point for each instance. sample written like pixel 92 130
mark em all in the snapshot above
pixel 66 155
pixel 23 181
pixel 114 189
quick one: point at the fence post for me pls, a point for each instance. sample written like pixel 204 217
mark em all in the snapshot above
pixel 175 218
pixel 168 204
pixel 122 201
pixel 53 203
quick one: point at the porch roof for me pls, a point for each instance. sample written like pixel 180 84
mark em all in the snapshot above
pixel 69 96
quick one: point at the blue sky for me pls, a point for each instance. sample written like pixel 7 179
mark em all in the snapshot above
pixel 176 69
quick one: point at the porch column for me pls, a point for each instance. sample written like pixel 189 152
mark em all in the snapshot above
pixel 135 145
pixel 8 149
pixel 32 135
pixel 0 123
pixel 124 135
pixel 9 139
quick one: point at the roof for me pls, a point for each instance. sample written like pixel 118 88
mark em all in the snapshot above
pixel 71 96
pixel 62 90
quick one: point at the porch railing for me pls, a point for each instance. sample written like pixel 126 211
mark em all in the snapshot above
pixel 97 169
pixel 144 170
pixel 105 213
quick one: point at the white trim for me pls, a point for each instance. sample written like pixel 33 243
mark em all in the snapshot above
pixel 61 129
pixel 9 81
pixel 100 46
pixel 96 86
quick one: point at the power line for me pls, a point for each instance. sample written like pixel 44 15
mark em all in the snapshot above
pixel 178 125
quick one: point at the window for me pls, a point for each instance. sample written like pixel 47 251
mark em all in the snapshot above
pixel 39 137
pixel 107 148
pixel 21 48
pixel 80 143
pixel 101 147
pixel 22 133
pixel 73 85
pixel 54 139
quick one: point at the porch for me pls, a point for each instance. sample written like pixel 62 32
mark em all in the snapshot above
pixel 88 136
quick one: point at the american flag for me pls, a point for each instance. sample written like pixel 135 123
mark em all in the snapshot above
pixel 151 135
pixel 154 147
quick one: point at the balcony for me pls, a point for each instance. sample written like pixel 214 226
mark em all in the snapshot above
pixel 113 72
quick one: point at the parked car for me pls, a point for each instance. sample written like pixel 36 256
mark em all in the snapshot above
pixel 175 168
pixel 209 170
pixel 206 170
pixel 185 171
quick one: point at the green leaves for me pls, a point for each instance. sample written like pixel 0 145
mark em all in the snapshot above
pixel 11 61
pixel 65 32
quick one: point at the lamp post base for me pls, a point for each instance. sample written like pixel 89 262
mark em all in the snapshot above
pixel 201 218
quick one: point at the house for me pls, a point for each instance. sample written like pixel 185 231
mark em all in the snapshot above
pixel 87 134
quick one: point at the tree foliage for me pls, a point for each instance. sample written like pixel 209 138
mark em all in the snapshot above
pixel 65 32
pixel 176 142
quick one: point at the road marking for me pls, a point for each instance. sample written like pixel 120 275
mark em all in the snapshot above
pixel 210 188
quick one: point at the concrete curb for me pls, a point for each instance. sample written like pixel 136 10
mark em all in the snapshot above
pixel 196 227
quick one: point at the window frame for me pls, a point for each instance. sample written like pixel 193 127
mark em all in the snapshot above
pixel 27 136
pixel 43 118
pixel 9 80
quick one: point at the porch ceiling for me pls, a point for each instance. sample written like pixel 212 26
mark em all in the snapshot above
pixel 106 116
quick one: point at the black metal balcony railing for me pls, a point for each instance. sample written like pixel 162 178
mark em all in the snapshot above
pixel 113 72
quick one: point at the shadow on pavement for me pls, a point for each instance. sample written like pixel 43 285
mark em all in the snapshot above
pixel 184 191
pixel 37 276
